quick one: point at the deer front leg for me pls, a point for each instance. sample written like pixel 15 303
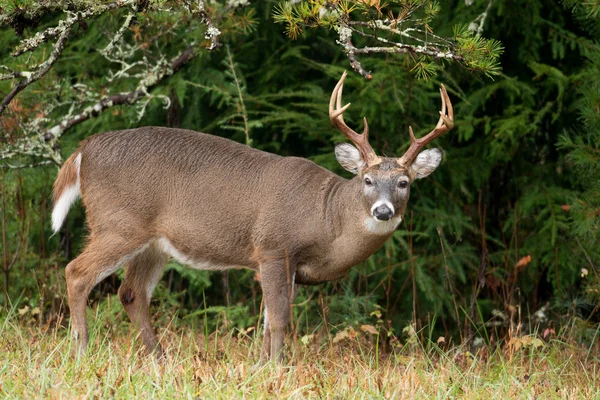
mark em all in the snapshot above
pixel 277 285
pixel 265 353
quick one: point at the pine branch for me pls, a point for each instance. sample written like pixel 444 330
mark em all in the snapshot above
pixel 396 27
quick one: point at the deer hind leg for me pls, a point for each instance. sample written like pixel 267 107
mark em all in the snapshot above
pixel 277 286
pixel 142 274
pixel 101 257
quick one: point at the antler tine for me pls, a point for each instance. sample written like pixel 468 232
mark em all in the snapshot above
pixel 337 119
pixel 444 124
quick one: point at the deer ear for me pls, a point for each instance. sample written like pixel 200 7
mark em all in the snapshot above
pixel 349 157
pixel 426 162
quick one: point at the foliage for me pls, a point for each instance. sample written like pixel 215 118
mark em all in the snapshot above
pixel 507 224
pixel 582 144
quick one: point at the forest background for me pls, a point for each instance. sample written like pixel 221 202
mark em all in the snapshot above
pixel 501 242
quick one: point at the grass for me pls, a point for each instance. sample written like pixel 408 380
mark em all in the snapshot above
pixel 38 362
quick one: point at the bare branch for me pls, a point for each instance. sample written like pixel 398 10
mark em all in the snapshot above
pixel 52 32
pixel 405 48
pixel 41 69
pixel 354 63
pixel 11 74
pixel 133 97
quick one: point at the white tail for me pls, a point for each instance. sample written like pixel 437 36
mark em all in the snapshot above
pixel 68 192
pixel 154 193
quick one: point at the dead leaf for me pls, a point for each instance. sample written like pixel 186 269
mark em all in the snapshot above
pixel 522 263
pixel 369 329
pixel 525 341
pixel 548 331
pixel 341 335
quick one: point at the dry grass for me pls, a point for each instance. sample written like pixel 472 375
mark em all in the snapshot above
pixel 37 362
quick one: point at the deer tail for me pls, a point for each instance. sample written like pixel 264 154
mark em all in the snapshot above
pixel 66 190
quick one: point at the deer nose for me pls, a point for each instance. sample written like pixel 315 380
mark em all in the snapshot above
pixel 383 213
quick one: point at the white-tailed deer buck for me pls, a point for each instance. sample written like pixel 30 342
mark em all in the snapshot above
pixel 211 203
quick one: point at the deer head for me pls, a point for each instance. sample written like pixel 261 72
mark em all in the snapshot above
pixel 386 180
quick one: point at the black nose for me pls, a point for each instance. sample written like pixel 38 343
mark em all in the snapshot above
pixel 383 213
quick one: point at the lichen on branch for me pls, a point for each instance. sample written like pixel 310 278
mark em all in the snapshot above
pixel 367 27
pixel 138 55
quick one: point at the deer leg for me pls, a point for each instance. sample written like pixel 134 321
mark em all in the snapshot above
pixel 265 352
pixel 278 294
pixel 142 274
pixel 101 257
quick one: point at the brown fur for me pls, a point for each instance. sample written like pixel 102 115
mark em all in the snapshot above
pixel 217 203
pixel 67 176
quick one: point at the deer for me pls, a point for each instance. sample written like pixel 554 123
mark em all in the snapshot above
pixel 210 203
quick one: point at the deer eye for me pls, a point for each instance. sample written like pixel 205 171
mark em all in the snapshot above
pixel 368 182
pixel 403 184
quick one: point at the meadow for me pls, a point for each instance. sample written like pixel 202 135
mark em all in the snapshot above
pixel 38 361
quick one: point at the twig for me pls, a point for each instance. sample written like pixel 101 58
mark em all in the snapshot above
pixel 212 33
pixel 241 97
pixel 477 24
pixel 11 74
pixel 589 260
pixel 447 271
pixel 119 34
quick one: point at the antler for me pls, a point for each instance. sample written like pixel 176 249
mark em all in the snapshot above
pixel 445 123
pixel 337 119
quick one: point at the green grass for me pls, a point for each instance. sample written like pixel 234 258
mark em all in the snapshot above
pixel 37 362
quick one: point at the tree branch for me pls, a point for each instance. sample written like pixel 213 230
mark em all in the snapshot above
pixel 405 48
pixel 52 32
pixel 62 31
pixel 122 98
pixel 354 63
pixel 41 69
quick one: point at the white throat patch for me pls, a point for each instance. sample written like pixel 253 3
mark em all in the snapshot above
pixel 381 227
